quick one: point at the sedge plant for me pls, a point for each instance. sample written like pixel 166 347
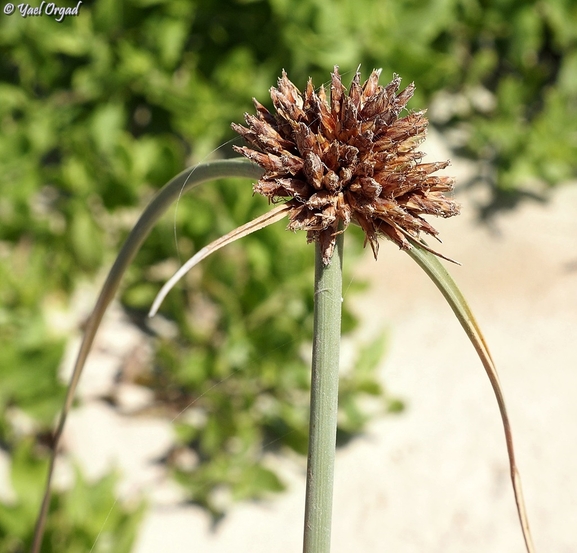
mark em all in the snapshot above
pixel 326 161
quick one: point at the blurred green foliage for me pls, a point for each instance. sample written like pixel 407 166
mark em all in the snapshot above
pixel 80 520
pixel 100 110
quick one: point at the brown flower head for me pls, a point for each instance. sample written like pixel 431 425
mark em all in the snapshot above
pixel 348 159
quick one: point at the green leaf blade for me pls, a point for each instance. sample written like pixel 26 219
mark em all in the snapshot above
pixel 432 266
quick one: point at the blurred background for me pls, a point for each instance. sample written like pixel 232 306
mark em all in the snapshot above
pixel 99 110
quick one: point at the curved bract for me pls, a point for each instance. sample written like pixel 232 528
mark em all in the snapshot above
pixel 442 279
pixel 268 218
pixel 170 192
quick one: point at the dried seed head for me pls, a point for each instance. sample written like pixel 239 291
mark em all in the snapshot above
pixel 350 159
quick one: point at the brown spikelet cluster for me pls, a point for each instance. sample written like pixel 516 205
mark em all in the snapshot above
pixel 347 159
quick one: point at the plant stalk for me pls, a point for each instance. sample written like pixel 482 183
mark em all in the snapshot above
pixel 324 401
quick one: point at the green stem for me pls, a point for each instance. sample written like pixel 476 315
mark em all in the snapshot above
pixel 324 401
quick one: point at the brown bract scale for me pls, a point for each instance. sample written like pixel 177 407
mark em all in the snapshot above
pixel 350 158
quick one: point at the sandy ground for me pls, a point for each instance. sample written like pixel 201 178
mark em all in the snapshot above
pixel 435 477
